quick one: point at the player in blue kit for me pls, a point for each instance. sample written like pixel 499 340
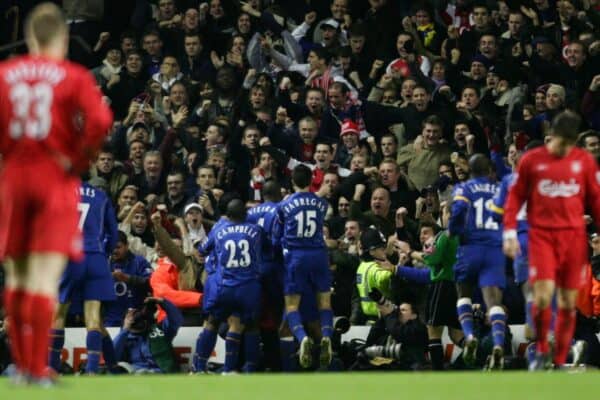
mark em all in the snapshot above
pixel 480 260
pixel 237 246
pixel 131 275
pixel 299 231
pixel 89 280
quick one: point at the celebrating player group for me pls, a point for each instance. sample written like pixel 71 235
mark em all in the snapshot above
pixel 53 115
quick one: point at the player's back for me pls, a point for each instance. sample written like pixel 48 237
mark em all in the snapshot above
pixel 264 215
pixel 499 200
pixel 238 251
pixel 480 227
pixel 50 110
pixel 96 220
pixel 301 217
pixel 558 189
pixel 208 249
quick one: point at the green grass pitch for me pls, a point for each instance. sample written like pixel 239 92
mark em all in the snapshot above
pixel 364 386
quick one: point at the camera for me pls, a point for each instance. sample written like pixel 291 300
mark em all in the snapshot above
pixel 377 296
pixel 393 351
pixel 143 318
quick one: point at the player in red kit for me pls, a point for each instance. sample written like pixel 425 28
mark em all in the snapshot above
pixel 52 119
pixel 559 182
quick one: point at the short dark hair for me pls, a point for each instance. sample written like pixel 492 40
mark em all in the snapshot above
pixel 122 237
pixel 302 176
pixel 236 210
pixel 566 126
pixel 323 54
pixel 433 120
pixel 479 165
pixel 271 191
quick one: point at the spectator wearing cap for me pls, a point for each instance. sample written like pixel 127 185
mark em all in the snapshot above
pixel 327 33
pixel 111 65
pixel 422 158
pixel 192 215
pixel 131 82
pixel 349 136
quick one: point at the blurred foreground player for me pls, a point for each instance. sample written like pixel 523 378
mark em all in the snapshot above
pixel 44 147
pixel 558 181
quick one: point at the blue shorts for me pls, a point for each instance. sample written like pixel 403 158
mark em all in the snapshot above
pixel 306 270
pixel 481 265
pixel 521 264
pixel 209 295
pixel 242 301
pixel 88 280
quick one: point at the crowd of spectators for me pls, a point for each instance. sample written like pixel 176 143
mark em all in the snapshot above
pixel 385 101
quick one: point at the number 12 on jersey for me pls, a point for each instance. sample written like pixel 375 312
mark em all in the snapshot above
pixel 490 224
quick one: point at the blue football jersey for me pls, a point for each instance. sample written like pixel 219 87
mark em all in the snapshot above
pixel 264 215
pixel 497 205
pixel 238 252
pixel 299 221
pixel 207 250
pixel 471 216
pixel 97 220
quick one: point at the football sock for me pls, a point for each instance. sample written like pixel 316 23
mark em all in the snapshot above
pixel 295 322
pixel 326 317
pixel 251 351
pixel 93 343
pixel 529 315
pixel 38 320
pixel 13 305
pixel 232 350
pixel 57 341
pixel 464 309
pixel 542 318
pixel 498 322
pixel 436 354
pixel 204 346
pixel 565 327
pixel 287 348
pixel 108 351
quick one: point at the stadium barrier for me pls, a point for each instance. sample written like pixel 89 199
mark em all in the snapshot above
pixel 74 351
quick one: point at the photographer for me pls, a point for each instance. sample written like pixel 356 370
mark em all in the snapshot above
pixel 146 344
pixel 398 335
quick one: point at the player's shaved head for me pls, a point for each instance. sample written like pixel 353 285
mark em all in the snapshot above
pixel 479 165
pixel 566 126
pixel 236 210
pixel 271 191
pixel 45 25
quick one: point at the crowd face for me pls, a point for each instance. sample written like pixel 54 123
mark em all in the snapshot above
pixel 513 155
pixel 329 36
pixel 425 234
pixel 350 140
pixel 206 179
pixel 481 18
pixel 402 39
pixel 192 46
pixel 389 96
pixel 169 67
pixel 343 207
pixel 380 202
pixel 139 223
pixel 128 44
pixel 332 180
pixel 406 90
pixel 166 10
pixel 471 98
pixel 487 46
pixel 251 138
pixel 339 8
pixel 432 134
pixel 257 97
pixel 105 163
pixel 336 98
pixel 323 156
pixel 478 71
pixel 439 71
pixel 225 79
pixel 308 131
pixel 133 64
pixel 314 101
pixel 540 102
pixel 553 100
pixel 592 144
pixel 357 43
pixel 389 147
pixel 120 251
pixel 358 163
pixel 114 57
pixel 136 151
pixel 128 197
pixel 389 174
pixel 178 95
pixel 243 24
pixel 193 218
pixel 212 135
pixel 216 9
pixel 422 17
pixel 351 231
pixel 266 162
pixel 515 22
pixel 461 131
pixel 575 55
pixel 191 19
pixel 152 45
pixel 175 186
pixel 420 98
pixel 152 166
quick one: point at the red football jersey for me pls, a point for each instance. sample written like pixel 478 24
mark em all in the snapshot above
pixel 52 109
pixel 558 190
